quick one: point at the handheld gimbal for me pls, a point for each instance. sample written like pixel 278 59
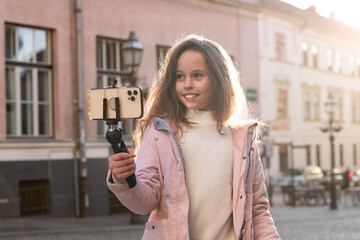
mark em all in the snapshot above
pixel 114 137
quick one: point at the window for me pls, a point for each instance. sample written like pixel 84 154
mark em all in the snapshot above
pixel 282 103
pixel 354 155
pixel 355 107
pixel 280 47
pixel 308 155
pixel 307 114
pixel 337 67
pixel 304 49
pixel 317 107
pixel 34 197
pixel 28 82
pixel 341 152
pixel 339 110
pixel 110 68
pixel 329 59
pixel 358 66
pixel 160 54
pixel 337 94
pixel 351 65
pixel 358 110
pixel 353 110
pixel 283 157
pixel 314 55
pixel 318 156
pixel 311 102
pixel 115 206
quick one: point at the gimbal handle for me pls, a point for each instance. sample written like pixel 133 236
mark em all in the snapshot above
pixel 114 137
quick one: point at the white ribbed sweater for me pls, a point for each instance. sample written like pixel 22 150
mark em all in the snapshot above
pixel 208 174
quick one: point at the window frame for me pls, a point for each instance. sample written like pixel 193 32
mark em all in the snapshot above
pixel 351 65
pixel 161 51
pixel 355 107
pixel 357 66
pixel 15 128
pixel 280 47
pixel 105 74
pixel 282 99
pixel 305 53
pixel 337 62
pixel 329 59
pixel 354 155
pixel 307 105
pixel 314 53
pixel 318 155
pixel 341 155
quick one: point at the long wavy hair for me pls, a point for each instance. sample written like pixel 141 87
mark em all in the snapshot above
pixel 228 102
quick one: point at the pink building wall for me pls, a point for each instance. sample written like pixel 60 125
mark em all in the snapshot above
pixel 155 22
pixel 56 16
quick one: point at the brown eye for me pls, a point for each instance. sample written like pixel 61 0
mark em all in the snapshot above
pixel 179 76
pixel 197 75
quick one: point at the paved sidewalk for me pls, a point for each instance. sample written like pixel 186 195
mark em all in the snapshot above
pixel 300 222
pixel 50 225
pixel 316 222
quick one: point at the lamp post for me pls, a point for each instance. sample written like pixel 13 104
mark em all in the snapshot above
pixel 132 52
pixel 330 106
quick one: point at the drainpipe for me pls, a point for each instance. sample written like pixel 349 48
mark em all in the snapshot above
pixel 80 169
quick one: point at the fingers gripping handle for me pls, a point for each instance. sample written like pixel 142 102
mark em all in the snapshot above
pixel 114 137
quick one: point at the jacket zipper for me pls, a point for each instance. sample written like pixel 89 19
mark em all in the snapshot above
pixel 247 171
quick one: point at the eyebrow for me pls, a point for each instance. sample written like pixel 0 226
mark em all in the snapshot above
pixel 195 70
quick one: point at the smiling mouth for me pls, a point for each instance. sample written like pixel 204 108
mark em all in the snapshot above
pixel 190 96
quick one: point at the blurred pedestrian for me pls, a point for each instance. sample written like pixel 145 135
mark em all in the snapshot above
pixel 346 179
pixel 198 167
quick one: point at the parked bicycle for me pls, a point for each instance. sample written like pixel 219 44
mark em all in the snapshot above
pixel 309 195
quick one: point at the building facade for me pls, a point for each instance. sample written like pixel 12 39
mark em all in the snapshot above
pixel 56 50
pixel 304 59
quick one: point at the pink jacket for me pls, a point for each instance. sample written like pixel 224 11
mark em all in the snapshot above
pixel 161 187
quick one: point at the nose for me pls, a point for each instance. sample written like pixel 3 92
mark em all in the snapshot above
pixel 188 83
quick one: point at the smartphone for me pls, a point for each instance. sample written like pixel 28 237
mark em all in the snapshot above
pixel 115 103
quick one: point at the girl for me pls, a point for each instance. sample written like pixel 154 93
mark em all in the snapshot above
pixel 198 168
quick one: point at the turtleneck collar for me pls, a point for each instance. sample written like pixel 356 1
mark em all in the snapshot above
pixel 200 117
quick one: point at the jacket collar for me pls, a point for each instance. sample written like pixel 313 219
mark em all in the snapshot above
pixel 161 124
pixel 249 127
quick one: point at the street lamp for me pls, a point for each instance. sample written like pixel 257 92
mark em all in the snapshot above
pixel 132 51
pixel 330 106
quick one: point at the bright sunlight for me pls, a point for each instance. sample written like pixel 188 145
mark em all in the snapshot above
pixel 346 11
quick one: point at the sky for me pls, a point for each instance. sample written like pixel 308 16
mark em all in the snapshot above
pixel 346 11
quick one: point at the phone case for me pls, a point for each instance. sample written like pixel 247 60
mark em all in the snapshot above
pixel 130 103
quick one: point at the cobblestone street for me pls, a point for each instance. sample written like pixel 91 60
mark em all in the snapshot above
pixel 300 222
pixel 317 222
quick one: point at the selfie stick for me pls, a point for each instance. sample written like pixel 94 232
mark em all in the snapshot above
pixel 114 136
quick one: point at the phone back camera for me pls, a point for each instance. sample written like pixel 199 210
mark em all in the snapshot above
pixel 132 95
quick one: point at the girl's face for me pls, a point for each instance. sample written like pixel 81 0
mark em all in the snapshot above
pixel 193 81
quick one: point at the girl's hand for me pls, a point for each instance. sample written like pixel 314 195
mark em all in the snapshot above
pixel 122 165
